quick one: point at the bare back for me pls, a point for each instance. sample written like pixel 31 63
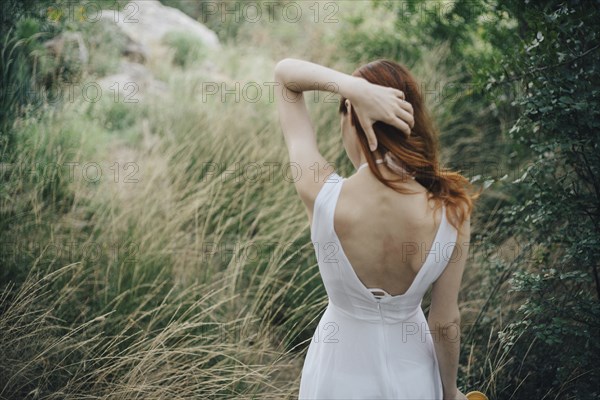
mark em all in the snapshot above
pixel 358 229
pixel 386 235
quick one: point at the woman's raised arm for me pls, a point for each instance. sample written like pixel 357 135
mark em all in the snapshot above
pixel 371 102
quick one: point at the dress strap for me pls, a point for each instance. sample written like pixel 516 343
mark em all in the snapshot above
pixel 324 205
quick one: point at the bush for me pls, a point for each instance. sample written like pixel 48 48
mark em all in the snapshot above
pixel 535 335
pixel 188 49
pixel 22 61
pixel 554 331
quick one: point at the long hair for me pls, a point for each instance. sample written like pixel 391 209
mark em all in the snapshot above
pixel 417 153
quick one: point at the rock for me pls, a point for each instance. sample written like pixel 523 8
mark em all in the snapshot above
pixel 133 82
pixel 147 21
pixel 64 59
pixel 135 52
pixel 57 46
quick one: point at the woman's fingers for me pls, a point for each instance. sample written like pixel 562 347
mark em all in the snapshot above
pixel 407 106
pixel 406 116
pixel 401 112
pixel 399 123
pixel 403 126
pixel 367 125
pixel 371 138
pixel 406 112
pixel 385 104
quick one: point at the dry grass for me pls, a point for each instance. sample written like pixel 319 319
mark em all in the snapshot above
pixel 205 284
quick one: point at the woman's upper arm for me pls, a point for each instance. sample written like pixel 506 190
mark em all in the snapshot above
pixel 307 166
pixel 444 294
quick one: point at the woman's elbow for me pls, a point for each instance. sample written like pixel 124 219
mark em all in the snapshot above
pixel 447 315
pixel 278 70
pixel 281 68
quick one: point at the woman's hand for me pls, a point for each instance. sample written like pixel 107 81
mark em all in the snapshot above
pixel 374 103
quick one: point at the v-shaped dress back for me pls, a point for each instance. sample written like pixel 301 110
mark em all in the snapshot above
pixel 370 346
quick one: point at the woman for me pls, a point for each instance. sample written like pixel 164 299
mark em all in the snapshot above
pixel 392 237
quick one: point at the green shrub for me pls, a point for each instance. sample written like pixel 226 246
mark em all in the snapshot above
pixel 105 44
pixel 22 63
pixel 188 49
pixel 533 74
pixel 556 217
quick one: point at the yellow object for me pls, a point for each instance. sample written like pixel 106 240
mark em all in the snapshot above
pixel 475 395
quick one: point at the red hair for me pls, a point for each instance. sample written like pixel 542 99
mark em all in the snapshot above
pixel 418 153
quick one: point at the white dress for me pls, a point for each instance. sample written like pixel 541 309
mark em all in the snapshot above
pixel 369 346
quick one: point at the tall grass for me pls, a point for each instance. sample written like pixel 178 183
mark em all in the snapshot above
pixel 186 269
